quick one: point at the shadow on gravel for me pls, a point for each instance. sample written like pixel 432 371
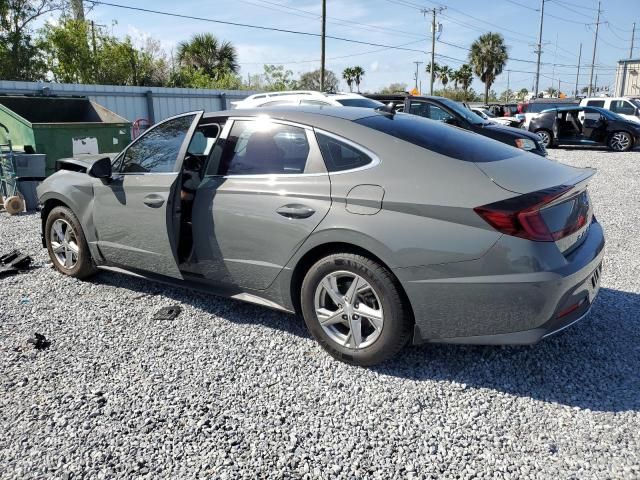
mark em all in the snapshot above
pixel 594 364
pixel 235 311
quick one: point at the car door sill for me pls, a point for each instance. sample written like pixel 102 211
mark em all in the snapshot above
pixel 220 291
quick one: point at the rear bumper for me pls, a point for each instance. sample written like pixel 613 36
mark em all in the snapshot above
pixel 506 308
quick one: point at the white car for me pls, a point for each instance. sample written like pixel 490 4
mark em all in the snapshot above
pixel 306 97
pixel 627 108
pixel 490 117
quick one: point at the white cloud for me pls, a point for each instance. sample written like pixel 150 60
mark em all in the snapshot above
pixel 375 66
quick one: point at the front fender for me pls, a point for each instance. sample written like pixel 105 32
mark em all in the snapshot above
pixel 76 191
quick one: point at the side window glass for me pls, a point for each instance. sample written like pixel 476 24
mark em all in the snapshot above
pixel 595 103
pixel 157 150
pixel 258 147
pixel 437 113
pixel 419 108
pixel 339 155
pixel 623 107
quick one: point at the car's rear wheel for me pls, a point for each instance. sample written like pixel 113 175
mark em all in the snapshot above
pixel 354 308
pixel 545 137
pixel 67 245
pixel 620 142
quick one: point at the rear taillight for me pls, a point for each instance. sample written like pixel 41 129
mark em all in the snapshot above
pixel 520 216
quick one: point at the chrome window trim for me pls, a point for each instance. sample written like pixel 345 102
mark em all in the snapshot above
pixel 375 159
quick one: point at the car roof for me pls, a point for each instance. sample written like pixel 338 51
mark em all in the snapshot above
pixel 301 113
pixel 574 108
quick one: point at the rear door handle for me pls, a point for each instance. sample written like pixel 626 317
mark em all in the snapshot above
pixel 153 200
pixel 295 210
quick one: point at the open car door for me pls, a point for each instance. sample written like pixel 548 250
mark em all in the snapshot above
pixel 135 215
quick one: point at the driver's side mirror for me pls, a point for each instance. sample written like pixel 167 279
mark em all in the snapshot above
pixel 101 169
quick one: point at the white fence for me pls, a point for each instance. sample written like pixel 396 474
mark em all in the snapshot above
pixel 133 103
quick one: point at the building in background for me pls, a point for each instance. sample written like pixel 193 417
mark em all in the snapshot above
pixel 628 78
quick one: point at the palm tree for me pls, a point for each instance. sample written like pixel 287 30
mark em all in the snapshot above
pixel 464 76
pixel 348 74
pixel 206 53
pixel 436 71
pixel 488 56
pixel 446 73
pixel 358 73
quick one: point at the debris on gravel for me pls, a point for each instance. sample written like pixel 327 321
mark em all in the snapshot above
pixel 229 390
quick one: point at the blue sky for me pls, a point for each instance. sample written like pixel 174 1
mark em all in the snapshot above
pixel 397 22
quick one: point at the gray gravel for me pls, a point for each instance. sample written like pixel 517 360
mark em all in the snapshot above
pixel 229 390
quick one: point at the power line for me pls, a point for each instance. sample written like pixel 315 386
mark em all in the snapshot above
pixel 248 25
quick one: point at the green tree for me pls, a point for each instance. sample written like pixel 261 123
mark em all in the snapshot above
pixel 507 95
pixel 348 75
pixel 522 94
pixel 75 54
pixel 394 88
pixel 206 54
pixel 488 56
pixel 276 78
pixel 19 53
pixel 358 73
pixel 445 73
pixel 311 81
pixel 436 71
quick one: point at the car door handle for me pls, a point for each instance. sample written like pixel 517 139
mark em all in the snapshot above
pixel 295 210
pixel 153 200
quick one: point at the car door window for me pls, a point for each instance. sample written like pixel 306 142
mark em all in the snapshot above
pixel 157 150
pixel 339 156
pixel 623 107
pixel 259 147
pixel 595 103
pixel 429 110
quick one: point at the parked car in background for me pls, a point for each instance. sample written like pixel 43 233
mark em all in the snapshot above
pixel 534 107
pixel 490 117
pixel 453 113
pixel 379 228
pixel 627 108
pixel 585 126
pixel 305 97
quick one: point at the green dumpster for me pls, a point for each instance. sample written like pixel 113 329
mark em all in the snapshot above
pixel 62 127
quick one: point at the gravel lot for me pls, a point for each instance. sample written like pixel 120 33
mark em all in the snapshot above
pixel 229 390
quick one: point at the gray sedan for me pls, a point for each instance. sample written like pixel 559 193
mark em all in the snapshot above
pixel 379 228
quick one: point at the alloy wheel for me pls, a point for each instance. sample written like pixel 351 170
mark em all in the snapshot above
pixel 349 309
pixel 620 141
pixel 64 244
pixel 545 138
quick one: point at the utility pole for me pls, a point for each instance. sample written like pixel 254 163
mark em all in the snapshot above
pixel 578 72
pixel 633 34
pixel 78 9
pixel 508 77
pixel 558 95
pixel 539 49
pixel 593 59
pixel 324 31
pixel 433 12
pixel 417 70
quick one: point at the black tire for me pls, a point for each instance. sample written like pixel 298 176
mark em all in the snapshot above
pixel 84 266
pixel 546 137
pixel 620 141
pixel 397 327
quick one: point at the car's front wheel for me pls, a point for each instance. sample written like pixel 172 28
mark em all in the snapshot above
pixel 545 137
pixel 67 245
pixel 620 142
pixel 354 308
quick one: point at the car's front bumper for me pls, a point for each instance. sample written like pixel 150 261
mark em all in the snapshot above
pixel 475 303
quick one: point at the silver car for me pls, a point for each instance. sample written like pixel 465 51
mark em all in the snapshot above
pixel 379 228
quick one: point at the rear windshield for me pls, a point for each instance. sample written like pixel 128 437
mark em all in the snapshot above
pixel 359 102
pixel 440 138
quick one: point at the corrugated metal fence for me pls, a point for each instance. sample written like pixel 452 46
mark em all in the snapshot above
pixel 133 103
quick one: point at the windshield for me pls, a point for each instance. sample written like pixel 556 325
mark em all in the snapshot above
pixel 359 102
pixel 465 113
